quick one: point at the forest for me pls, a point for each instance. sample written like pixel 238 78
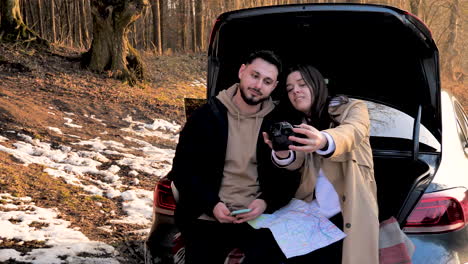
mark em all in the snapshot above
pixel 183 26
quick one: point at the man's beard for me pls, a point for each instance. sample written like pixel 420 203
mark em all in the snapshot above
pixel 250 101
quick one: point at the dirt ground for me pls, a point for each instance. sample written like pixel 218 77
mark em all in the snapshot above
pixel 34 83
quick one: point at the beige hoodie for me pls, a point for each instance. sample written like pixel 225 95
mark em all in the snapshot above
pixel 240 186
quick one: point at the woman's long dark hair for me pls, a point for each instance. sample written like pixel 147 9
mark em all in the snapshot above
pixel 319 116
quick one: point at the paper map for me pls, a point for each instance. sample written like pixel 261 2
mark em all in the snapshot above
pixel 299 228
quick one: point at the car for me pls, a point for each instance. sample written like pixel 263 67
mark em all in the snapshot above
pixel 388 58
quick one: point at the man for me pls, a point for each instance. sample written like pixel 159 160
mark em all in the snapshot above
pixel 222 165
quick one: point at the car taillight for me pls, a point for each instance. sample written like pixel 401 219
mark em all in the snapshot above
pixel 164 201
pixel 439 212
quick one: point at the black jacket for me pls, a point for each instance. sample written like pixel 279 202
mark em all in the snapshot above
pixel 198 165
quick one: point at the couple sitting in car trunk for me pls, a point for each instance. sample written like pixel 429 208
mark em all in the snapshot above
pixel 225 161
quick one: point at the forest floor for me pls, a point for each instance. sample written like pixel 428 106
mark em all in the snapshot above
pixel 89 146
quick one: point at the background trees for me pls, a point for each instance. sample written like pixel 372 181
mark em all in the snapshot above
pixel 181 26
pixel 12 26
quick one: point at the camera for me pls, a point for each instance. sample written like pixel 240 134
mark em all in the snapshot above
pixel 279 133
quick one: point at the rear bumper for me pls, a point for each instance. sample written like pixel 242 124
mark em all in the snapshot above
pixel 446 248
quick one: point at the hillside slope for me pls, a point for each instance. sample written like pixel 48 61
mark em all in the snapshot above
pixel 89 146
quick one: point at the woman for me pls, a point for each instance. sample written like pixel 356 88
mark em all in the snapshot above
pixel 336 162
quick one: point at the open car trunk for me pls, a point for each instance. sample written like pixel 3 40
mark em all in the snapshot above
pixel 397 189
pixel 380 54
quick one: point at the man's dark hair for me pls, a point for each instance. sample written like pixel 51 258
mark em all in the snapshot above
pixel 266 55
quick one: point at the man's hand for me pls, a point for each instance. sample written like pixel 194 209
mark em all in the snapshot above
pixel 314 140
pixel 222 213
pixel 258 206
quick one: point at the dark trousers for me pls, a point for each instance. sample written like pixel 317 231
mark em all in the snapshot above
pixel 210 242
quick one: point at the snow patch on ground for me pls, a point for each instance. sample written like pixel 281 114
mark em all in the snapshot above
pixel 138 205
pixel 84 168
pixel 56 130
pixel 198 83
pixel 159 128
pixel 69 123
pixel 27 222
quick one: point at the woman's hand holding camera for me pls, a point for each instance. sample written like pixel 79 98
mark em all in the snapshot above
pixel 282 154
pixel 303 137
pixel 314 140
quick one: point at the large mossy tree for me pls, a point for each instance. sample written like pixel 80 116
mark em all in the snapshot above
pixel 12 26
pixel 110 49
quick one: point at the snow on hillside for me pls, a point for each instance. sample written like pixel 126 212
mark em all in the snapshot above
pixel 21 220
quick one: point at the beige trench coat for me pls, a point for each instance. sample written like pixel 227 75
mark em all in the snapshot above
pixel 350 170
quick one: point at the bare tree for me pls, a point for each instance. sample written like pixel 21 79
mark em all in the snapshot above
pixel 157 22
pixel 52 18
pixel 194 28
pixel 69 35
pixel 77 25
pixel 448 47
pixel 182 14
pixel 200 25
pixel 41 19
pixel 110 49
pixel 84 22
pixel 415 7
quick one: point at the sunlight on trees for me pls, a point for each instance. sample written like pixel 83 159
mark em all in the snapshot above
pixel 183 26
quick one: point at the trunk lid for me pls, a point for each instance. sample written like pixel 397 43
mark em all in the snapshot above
pixel 372 52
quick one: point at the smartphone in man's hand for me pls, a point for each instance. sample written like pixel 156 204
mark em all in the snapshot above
pixel 241 211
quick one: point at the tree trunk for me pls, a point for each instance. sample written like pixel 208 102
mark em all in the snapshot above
pixel 183 25
pixel 31 8
pixel 41 19
pixel 200 23
pixel 77 24
pixel 69 35
pixel 157 40
pixel 142 37
pixel 52 18
pixel 149 36
pixel 162 23
pixel 12 27
pixel 84 23
pixel 449 49
pixel 110 49
pixel 194 28
pixel 60 21
pixel 415 6
pixel 24 11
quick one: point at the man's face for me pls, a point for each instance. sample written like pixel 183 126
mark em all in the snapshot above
pixel 257 80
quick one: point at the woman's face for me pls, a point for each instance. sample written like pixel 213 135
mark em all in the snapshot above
pixel 299 93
